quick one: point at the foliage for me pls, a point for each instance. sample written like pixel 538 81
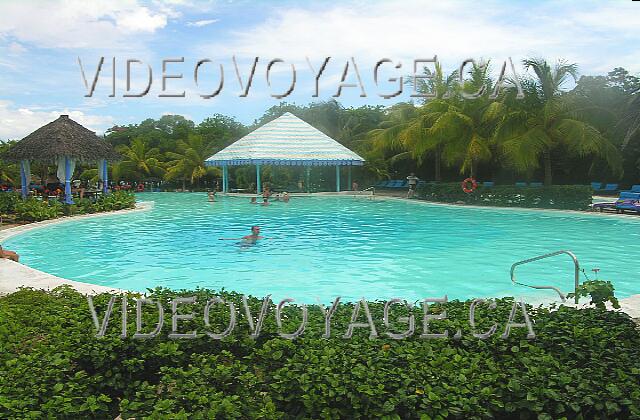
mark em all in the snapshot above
pixel 584 363
pixel 567 197
pixel 118 200
pixel 600 292
pixel 34 210
pixel 140 161
pixel 8 201
pixel 188 161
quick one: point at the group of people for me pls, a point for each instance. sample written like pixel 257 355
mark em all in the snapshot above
pixel 267 195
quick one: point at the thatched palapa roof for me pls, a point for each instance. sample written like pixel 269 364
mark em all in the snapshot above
pixel 62 137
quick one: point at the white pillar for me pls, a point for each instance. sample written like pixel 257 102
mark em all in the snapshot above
pixel 338 178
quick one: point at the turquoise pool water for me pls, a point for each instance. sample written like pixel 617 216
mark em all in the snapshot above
pixel 324 247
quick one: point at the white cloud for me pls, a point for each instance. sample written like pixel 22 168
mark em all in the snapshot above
pixel 201 23
pixel 142 20
pixel 79 24
pixel 454 30
pixel 17 123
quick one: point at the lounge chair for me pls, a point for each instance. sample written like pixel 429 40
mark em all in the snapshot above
pixel 635 188
pixel 628 201
pixel 611 188
pixel 596 186
pixel 488 184
pixel 521 184
pixel 535 184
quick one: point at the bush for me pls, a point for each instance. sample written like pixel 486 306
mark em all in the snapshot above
pixel 34 210
pixel 117 200
pixel 566 197
pixel 599 291
pixel 584 363
pixel 8 201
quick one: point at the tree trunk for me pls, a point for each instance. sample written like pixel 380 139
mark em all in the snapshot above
pixel 473 169
pixel 548 176
pixel 438 174
pixel 184 187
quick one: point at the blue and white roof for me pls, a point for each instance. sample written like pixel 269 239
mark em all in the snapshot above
pixel 287 140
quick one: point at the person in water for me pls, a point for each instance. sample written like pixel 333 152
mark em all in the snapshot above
pixel 250 239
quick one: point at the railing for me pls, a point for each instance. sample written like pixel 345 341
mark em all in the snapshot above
pixel 373 190
pixel 552 254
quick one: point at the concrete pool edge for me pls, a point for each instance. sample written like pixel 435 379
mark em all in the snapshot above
pixel 15 275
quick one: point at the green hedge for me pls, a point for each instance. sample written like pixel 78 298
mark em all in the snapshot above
pixel 583 364
pixel 35 210
pixel 567 197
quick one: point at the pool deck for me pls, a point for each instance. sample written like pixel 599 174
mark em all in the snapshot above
pixel 14 275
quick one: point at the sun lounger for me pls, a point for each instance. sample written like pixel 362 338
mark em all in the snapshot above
pixel 611 188
pixel 596 186
pixel 521 184
pixel 535 184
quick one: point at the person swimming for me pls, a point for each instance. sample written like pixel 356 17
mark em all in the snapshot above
pixel 248 239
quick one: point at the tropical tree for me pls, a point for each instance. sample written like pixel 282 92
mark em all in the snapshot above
pixel 187 162
pixel 9 172
pixel 140 161
pixel 532 132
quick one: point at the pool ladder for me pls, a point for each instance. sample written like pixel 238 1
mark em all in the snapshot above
pixel 576 264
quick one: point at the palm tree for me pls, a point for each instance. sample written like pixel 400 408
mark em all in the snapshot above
pixel 534 130
pixel 456 130
pixel 632 119
pixel 188 160
pixel 139 161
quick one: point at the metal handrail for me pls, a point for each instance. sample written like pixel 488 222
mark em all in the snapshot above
pixel 551 254
pixel 373 190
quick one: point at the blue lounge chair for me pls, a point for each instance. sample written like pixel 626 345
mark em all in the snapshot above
pixel 488 184
pixel 535 184
pixel 635 188
pixel 628 201
pixel 422 183
pixel 611 188
pixel 381 183
pixel 521 184
pixel 596 186
pixel 398 183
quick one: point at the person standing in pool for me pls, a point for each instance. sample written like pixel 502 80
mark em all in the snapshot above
pixel 413 183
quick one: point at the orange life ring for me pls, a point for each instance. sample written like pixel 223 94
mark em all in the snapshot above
pixel 465 185
pixel 140 188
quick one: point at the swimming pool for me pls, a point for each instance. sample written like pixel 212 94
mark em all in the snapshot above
pixel 323 247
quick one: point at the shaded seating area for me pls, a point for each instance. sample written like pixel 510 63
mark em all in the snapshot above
pixel 62 143
pixel 285 141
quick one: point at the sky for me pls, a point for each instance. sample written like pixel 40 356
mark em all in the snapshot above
pixel 41 43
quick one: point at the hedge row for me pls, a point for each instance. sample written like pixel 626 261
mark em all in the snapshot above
pixel 566 197
pixel 35 210
pixel 582 364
